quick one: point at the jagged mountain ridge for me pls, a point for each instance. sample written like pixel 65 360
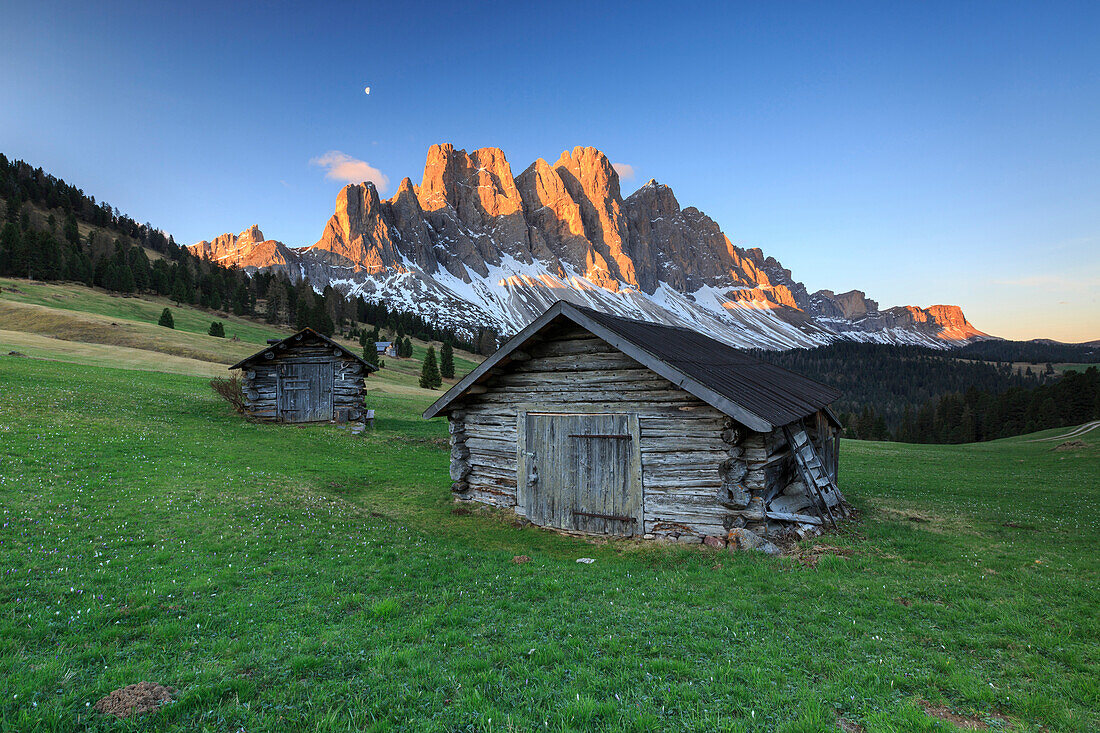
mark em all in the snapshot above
pixel 473 245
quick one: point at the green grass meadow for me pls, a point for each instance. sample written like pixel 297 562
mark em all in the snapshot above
pixel 302 578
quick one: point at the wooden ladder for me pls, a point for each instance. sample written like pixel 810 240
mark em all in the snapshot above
pixel 813 471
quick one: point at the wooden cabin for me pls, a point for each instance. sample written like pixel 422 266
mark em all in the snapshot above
pixel 306 377
pixel 597 424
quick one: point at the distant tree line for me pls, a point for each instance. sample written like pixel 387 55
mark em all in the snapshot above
pixel 885 378
pixel 975 416
pixel 895 392
pixel 1032 352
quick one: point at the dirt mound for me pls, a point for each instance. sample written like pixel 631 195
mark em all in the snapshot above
pixel 136 699
pixel 1070 445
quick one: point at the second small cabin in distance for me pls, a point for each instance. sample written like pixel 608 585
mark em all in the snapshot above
pixel 306 377
pixel 594 423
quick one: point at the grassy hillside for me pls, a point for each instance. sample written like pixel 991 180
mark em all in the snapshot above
pixel 49 320
pixel 301 578
pixel 139 309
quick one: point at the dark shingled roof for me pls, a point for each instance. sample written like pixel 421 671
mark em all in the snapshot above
pixel 757 394
pixel 776 394
pixel 289 341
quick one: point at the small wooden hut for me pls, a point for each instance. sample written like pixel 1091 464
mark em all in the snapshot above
pixel 306 377
pixel 593 423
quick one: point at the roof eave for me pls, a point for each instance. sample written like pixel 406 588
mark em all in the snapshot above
pixel 498 356
pixel 278 344
pixel 712 398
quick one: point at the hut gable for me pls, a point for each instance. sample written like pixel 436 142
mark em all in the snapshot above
pixel 306 377
pixel 593 423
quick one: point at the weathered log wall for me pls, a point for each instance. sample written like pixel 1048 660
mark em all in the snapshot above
pixel 703 474
pixel 260 381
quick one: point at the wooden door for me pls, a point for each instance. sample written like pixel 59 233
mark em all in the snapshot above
pixel 583 472
pixel 305 392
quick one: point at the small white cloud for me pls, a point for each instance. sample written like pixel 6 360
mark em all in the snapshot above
pixel 625 170
pixel 342 167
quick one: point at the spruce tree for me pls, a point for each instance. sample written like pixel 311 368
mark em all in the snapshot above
pixel 179 291
pixel 10 243
pixel 72 231
pixel 303 312
pixel 271 309
pixel 447 361
pixel 487 342
pixel 166 319
pixel 370 352
pixel 217 328
pixel 429 373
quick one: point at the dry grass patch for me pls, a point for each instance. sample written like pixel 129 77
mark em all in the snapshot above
pixel 923 517
pixel 90 328
pixel 37 346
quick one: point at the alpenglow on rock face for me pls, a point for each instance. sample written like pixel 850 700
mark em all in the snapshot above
pixel 474 245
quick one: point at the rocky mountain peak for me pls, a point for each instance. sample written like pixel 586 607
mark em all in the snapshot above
pixel 252 235
pixel 473 245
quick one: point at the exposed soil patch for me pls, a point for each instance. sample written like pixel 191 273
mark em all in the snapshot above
pixel 136 699
pixel 810 556
pixel 849 726
pixel 1070 445
pixel 966 722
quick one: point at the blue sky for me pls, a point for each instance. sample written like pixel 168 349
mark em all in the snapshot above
pixel 925 153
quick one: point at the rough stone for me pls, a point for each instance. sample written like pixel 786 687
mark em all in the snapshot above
pixel 744 539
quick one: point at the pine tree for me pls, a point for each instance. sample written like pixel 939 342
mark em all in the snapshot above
pixel 139 268
pixel 217 328
pixel 72 231
pixel 487 342
pixel 321 322
pixel 271 308
pixel 179 291
pixel 303 313
pixel 10 243
pixel 447 361
pixel 166 319
pixel 370 352
pixel 429 373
